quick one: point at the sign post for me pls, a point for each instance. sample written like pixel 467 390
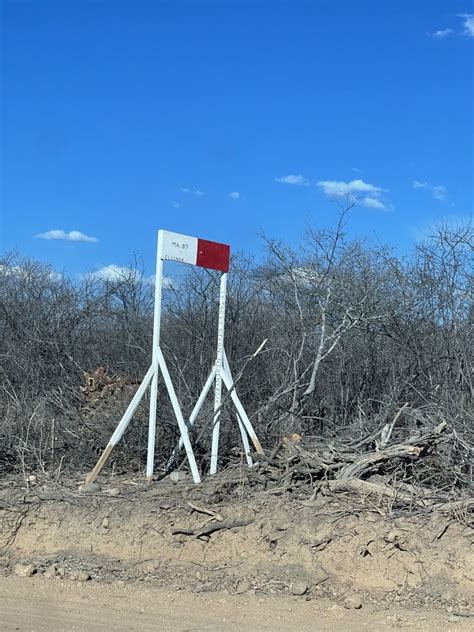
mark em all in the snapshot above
pixel 219 366
pixel 214 256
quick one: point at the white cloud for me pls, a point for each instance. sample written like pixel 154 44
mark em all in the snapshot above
pixel 468 23
pixel 26 272
pixel 117 273
pixel 371 202
pixel 443 33
pixel 235 195
pixel 195 192
pixel 365 193
pixel 176 205
pixel 114 273
pixel 438 191
pixel 166 282
pixel 73 235
pixel 299 180
pixel 339 188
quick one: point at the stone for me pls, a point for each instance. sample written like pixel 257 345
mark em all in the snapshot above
pixel 105 523
pixel 299 588
pixel 453 619
pixel 89 488
pixel 242 587
pixel 24 570
pixel 50 572
pixel 61 572
pixel 113 491
pixel 352 603
pixel 84 576
pixel 178 476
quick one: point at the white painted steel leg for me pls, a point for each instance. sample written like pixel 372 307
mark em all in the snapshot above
pixel 219 365
pixel 156 344
pixel 150 461
pixel 202 396
pixel 195 412
pixel 241 412
pixel 132 407
pixel 245 441
pixel 243 432
pixel 122 425
pixel 179 416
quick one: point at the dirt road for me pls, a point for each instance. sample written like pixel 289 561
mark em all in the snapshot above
pixel 39 605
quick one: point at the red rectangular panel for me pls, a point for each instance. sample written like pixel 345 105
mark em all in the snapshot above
pixel 212 255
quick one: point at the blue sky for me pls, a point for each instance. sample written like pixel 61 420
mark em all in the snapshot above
pixel 120 118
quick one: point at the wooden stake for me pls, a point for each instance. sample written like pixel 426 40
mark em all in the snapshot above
pixel 90 478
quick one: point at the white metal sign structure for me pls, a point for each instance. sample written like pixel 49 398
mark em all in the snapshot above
pixel 214 256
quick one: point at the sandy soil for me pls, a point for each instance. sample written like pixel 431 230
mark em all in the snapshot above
pixel 128 556
pixel 39 605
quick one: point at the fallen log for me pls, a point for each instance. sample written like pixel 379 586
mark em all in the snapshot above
pixel 398 495
pixel 367 461
pixel 356 485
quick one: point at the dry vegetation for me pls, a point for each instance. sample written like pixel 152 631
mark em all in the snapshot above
pixel 369 358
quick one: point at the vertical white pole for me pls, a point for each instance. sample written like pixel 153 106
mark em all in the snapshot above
pixel 155 364
pixel 219 364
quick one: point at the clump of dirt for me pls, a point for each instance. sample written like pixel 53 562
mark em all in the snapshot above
pixel 218 536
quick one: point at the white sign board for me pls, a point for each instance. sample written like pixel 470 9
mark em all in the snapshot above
pixel 176 247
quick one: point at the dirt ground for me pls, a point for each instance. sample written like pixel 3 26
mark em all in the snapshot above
pixel 40 605
pixel 174 556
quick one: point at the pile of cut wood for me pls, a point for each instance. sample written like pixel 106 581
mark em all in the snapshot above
pixel 369 471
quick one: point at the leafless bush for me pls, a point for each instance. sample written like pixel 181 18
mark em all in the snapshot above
pixel 353 333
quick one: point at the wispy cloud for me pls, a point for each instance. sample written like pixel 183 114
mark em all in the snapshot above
pixel 72 235
pixel 467 28
pixel 439 192
pixel 195 192
pixel 359 191
pixel 298 180
pixel 235 195
pixel 443 33
pixel 176 204
pixel 468 23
